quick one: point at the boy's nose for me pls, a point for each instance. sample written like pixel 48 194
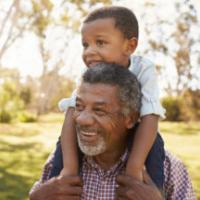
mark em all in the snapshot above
pixel 89 51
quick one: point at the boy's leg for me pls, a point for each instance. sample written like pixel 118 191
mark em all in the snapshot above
pixel 57 160
pixel 155 162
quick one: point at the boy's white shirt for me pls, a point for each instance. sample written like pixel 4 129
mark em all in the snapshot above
pixel 146 74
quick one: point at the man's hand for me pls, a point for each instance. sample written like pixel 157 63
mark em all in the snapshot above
pixel 59 188
pixel 132 189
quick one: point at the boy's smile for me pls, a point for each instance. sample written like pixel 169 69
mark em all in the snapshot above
pixel 103 42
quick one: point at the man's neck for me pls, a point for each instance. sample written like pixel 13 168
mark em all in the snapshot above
pixel 109 159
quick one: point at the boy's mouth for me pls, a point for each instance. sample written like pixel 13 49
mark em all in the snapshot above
pixel 93 63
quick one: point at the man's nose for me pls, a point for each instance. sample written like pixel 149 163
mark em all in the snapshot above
pixel 85 118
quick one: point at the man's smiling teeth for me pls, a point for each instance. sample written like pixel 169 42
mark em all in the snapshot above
pixel 88 133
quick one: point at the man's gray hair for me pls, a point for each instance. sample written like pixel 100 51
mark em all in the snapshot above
pixel 117 75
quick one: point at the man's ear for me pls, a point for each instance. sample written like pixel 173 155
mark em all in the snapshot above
pixel 131 45
pixel 131 120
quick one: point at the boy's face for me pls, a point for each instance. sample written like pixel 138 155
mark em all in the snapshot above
pixel 103 42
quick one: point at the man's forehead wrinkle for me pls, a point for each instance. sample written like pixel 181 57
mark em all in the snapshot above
pixel 98 94
pixel 101 103
pixel 95 102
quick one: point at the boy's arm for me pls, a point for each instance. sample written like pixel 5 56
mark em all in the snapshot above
pixel 146 74
pixel 150 112
pixel 69 145
pixel 143 141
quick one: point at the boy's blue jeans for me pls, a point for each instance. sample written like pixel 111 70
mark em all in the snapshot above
pixel 154 163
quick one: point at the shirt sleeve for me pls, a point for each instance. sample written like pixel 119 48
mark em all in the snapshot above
pixel 65 103
pixel 177 182
pixel 146 74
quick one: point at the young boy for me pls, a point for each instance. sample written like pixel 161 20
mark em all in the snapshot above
pixel 110 34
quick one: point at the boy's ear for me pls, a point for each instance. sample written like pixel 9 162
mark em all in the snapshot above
pixel 131 45
pixel 131 119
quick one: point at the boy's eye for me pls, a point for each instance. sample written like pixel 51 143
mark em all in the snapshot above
pixel 85 45
pixel 100 42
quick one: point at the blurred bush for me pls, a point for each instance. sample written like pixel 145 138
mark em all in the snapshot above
pixel 191 108
pixel 14 99
pixel 26 116
pixel 173 108
pixel 5 116
pixel 18 94
pixel 10 102
pixel 185 107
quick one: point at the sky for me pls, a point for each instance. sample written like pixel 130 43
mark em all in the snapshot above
pixel 24 54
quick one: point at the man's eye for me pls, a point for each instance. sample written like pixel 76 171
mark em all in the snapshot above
pixel 99 111
pixel 79 107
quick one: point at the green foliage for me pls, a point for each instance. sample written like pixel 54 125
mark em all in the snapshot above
pixel 191 107
pixel 173 108
pixel 10 101
pixel 26 116
pixel 26 95
pixel 5 116
pixel 185 107
pixel 65 88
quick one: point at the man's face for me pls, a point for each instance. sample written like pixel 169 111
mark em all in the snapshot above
pixel 103 42
pixel 101 127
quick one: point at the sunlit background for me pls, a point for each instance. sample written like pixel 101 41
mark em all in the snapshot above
pixel 40 63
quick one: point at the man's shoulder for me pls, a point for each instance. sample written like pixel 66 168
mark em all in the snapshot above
pixel 178 184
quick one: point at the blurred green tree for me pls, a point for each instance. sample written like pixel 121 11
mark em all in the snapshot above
pixel 10 102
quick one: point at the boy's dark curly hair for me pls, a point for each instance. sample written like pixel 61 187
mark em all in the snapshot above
pixel 125 19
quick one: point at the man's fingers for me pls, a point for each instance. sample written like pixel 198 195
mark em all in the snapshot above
pixel 72 180
pixel 124 180
pixel 120 192
pixel 68 186
pixel 123 192
pixel 70 190
pixel 67 198
pixel 147 179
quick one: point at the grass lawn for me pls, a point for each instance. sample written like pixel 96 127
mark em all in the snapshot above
pixel 25 147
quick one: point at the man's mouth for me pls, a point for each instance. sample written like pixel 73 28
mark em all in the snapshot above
pixel 88 137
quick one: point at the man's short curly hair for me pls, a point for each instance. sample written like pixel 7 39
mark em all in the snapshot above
pixel 125 19
pixel 129 92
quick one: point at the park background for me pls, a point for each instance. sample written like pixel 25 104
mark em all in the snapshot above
pixel 40 62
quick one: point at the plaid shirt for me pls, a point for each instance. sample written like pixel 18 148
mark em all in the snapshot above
pixel 100 184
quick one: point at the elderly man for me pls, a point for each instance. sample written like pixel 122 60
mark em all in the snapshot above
pixel 107 107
